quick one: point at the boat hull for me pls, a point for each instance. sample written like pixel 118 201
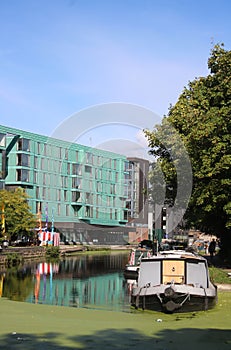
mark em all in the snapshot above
pixel 174 301
pixel 131 272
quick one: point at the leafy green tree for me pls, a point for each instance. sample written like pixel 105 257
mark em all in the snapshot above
pixel 202 117
pixel 15 211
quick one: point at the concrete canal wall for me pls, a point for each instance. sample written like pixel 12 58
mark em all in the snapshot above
pixel 25 253
pixel 33 253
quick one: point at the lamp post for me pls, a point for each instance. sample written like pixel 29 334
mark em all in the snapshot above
pixel 52 221
pixel 150 219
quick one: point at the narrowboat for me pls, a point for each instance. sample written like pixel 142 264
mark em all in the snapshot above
pixel 174 281
pixel 132 267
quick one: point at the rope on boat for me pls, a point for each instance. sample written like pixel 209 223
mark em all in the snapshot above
pixel 159 297
pixel 206 300
pixel 187 297
pixel 138 296
pixel 146 288
pixel 138 299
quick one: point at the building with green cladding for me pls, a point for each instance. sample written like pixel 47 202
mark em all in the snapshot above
pixel 83 191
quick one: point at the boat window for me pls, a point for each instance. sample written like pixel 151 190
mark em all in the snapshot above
pixel 196 273
pixel 149 273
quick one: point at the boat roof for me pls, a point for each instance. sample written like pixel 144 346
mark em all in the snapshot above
pixel 175 254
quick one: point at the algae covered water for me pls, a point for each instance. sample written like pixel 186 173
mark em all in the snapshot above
pixel 79 303
pixel 35 326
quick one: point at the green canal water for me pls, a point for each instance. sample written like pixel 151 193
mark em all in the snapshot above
pixel 83 303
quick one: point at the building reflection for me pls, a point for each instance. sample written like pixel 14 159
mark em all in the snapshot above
pixel 89 281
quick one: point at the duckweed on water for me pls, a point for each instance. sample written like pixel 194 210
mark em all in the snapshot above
pixel 56 327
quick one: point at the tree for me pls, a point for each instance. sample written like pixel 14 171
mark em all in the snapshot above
pixel 202 117
pixel 16 214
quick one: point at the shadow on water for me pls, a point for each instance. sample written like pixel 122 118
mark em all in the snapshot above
pixel 165 339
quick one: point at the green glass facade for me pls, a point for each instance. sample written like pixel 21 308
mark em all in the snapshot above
pixel 80 188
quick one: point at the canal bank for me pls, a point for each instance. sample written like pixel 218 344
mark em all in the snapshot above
pixel 29 253
pixel 32 326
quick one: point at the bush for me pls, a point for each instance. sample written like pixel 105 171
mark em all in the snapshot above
pixel 52 252
pixel 13 259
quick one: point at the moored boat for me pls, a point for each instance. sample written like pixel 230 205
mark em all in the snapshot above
pixel 132 268
pixel 174 281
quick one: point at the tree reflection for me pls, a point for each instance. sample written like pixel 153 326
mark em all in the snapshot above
pixel 17 285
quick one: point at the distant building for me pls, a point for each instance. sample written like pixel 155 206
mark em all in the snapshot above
pixel 137 200
pixel 87 192
pixel 83 188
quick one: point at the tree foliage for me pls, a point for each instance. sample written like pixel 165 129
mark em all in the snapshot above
pixel 202 117
pixel 19 220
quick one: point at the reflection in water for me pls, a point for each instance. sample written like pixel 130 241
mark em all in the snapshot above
pixel 90 281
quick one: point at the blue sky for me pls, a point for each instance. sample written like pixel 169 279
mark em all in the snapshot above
pixel 61 56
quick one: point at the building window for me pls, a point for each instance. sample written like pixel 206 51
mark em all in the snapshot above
pixel 42 163
pixel 24 145
pixel 36 162
pixel 59 195
pixel 64 181
pixel 44 178
pixel 88 169
pixel 37 192
pixel 88 211
pixel 2 140
pixel 22 175
pixel 88 198
pixel 99 186
pixel 126 166
pixel 76 196
pixel 89 158
pixel 23 159
pixel 59 209
pixel 76 169
pixel 100 160
pixel 74 182
pixel 60 152
pixel 112 188
pixel 68 168
pixel 45 149
pixel 48 178
pixel 37 207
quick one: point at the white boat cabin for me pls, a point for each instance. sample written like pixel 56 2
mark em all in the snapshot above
pixel 176 268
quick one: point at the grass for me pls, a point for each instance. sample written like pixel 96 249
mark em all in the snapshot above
pixel 218 275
